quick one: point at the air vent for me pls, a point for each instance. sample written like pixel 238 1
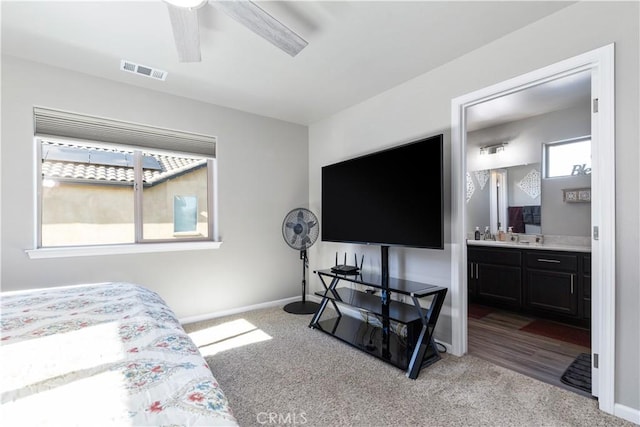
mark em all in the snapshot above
pixel 143 70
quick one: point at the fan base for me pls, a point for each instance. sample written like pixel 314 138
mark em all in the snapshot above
pixel 302 307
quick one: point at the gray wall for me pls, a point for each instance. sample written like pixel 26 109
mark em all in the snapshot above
pixel 527 136
pixel 567 219
pixel 422 106
pixel 262 174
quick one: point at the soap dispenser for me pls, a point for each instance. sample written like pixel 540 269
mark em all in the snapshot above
pixel 477 233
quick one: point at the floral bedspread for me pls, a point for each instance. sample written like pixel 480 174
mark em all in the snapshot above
pixel 95 355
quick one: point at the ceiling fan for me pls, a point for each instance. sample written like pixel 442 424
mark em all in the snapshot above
pixel 184 22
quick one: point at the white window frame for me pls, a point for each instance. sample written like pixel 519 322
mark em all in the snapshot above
pixel 211 241
pixel 545 154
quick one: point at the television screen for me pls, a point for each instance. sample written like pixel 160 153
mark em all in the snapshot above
pixel 392 197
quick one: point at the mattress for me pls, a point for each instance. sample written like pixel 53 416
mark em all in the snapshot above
pixel 102 354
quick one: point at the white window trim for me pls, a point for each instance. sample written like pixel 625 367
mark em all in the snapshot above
pixel 212 206
pixel 133 248
pixel 545 153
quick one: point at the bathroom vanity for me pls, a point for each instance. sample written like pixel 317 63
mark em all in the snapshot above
pixel 550 281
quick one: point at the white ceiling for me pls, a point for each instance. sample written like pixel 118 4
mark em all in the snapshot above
pixel 554 95
pixel 356 49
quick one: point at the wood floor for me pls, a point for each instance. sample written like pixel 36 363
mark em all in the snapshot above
pixel 496 337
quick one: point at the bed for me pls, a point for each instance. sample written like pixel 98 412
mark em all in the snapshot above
pixel 102 354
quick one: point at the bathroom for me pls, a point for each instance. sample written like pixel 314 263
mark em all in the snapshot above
pixel 528 224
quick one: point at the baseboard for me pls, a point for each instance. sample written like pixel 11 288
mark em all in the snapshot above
pixel 627 413
pixel 209 316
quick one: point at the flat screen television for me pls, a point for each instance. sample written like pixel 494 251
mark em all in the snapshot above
pixel 392 197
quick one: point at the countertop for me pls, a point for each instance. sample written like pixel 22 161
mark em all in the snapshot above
pixel 550 246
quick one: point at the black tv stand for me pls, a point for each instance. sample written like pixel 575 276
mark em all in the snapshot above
pixel 377 334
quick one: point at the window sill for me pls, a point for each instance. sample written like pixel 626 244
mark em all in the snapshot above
pixel 77 251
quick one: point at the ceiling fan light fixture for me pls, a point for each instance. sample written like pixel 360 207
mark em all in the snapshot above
pixel 187 4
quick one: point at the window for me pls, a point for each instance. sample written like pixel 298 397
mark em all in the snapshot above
pixel 103 193
pixel 568 158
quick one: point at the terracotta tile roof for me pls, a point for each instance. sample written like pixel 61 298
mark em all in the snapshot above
pixel 74 171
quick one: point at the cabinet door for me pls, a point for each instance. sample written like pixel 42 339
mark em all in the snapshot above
pixel 471 280
pixel 553 291
pixel 586 287
pixel 499 284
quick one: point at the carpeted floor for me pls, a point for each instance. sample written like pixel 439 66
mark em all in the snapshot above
pixel 296 375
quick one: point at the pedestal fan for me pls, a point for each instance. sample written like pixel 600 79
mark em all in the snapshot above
pixel 300 231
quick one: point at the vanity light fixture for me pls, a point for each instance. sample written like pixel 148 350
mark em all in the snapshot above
pixel 492 149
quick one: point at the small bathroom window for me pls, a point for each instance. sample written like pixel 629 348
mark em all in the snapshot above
pixel 567 158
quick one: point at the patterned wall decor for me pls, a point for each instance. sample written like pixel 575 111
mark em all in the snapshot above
pixel 482 177
pixel 573 195
pixel 470 187
pixel 530 184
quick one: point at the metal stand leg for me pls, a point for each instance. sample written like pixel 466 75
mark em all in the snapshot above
pixel 425 340
pixel 323 304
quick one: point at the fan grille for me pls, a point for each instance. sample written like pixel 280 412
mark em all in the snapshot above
pixel 300 228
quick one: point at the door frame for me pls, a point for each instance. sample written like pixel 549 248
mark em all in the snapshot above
pixel 600 62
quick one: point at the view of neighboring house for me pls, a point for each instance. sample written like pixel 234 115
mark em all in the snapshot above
pixel 174 195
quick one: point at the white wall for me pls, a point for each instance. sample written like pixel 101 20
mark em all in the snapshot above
pixel 422 107
pixel 262 174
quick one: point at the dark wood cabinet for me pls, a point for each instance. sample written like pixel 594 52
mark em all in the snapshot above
pixel 586 287
pixel 495 276
pixel 552 291
pixel 499 283
pixel 551 284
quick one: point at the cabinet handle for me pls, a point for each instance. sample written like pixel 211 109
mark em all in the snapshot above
pixel 476 270
pixel 572 284
pixel 553 261
pixel 472 270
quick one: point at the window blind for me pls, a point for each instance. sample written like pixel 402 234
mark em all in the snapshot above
pixel 56 123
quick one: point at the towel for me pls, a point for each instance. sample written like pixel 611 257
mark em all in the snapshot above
pixel 531 215
pixel 515 219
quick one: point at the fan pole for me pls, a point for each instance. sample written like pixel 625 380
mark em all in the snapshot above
pixel 305 260
pixel 304 306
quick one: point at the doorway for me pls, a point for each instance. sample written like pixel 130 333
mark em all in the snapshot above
pixel 600 64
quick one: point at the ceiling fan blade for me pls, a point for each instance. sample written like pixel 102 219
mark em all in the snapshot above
pixel 184 23
pixel 260 22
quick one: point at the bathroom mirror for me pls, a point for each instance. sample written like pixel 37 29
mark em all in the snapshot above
pixel 548 197
pixel 508 172
pixel 505 197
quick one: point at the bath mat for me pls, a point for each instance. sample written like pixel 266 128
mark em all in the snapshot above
pixel 578 374
pixel 559 332
pixel 479 311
